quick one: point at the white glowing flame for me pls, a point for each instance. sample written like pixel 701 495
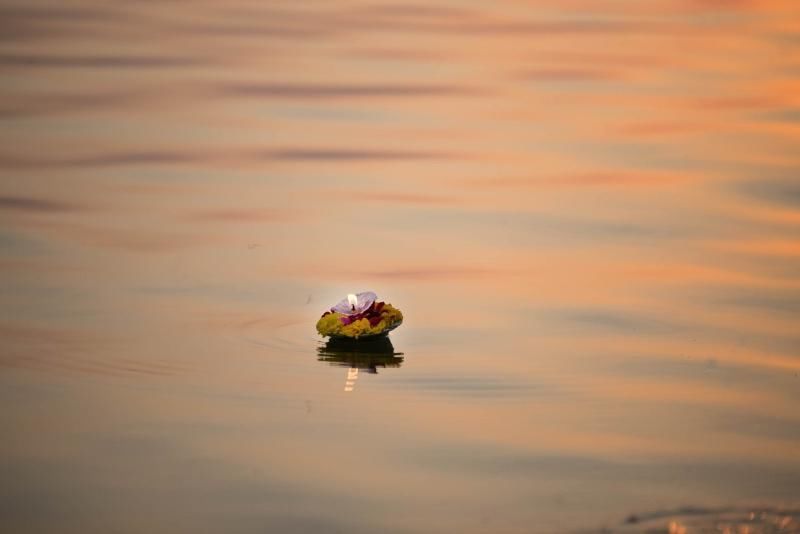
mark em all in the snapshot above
pixel 352 300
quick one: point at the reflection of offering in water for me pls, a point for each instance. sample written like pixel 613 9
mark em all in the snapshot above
pixel 352 374
pixel 367 354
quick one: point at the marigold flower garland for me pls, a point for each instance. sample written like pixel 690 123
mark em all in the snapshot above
pixel 359 316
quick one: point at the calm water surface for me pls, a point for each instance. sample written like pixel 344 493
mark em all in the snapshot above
pixel 588 211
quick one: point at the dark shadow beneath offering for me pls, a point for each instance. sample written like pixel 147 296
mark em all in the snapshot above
pixel 367 354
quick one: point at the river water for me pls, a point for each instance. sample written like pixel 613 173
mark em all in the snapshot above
pixel 588 212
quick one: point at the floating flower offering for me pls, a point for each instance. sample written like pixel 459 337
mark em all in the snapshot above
pixel 358 316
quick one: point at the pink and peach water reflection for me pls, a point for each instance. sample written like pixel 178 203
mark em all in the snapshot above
pixel 589 213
